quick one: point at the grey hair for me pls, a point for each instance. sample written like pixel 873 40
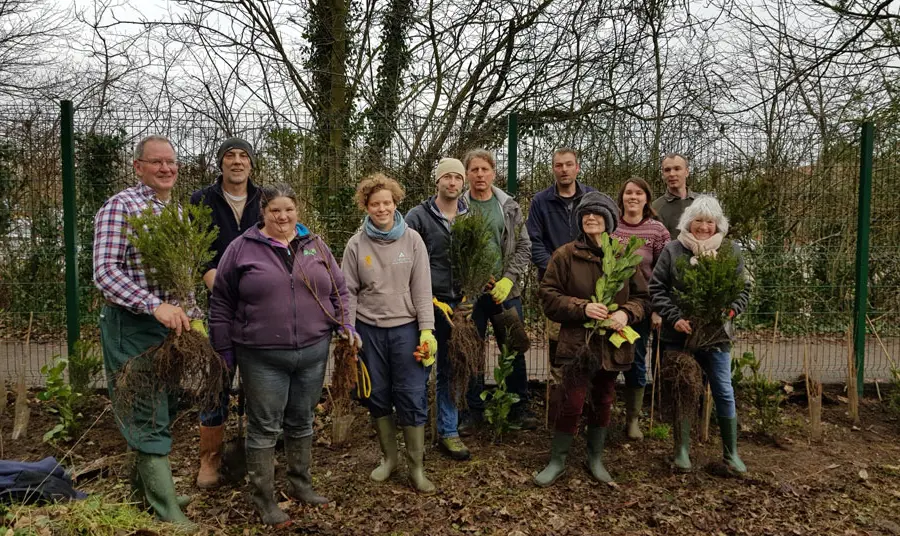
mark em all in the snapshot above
pixel 483 154
pixel 139 148
pixel 705 206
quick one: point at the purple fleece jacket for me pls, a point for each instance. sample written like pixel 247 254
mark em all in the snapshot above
pixel 256 302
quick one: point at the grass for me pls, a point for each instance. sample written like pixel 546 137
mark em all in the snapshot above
pixel 660 432
pixel 95 515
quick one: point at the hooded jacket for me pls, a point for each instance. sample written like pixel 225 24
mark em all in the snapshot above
pixel 434 228
pixel 257 302
pixel 516 246
pixel 223 217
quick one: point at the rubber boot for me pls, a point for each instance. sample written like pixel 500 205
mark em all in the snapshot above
pixel 559 449
pixel 682 438
pixel 137 489
pixel 210 456
pixel 634 399
pixel 387 438
pixel 415 455
pixel 596 438
pixel 299 452
pixel 728 429
pixel 155 476
pixel 261 470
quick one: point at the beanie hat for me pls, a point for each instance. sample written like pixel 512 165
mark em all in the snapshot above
pixel 596 203
pixel 235 143
pixel 449 165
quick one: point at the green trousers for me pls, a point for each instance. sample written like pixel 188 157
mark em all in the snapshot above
pixel 124 335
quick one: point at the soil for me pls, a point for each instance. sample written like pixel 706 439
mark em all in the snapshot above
pixel 848 484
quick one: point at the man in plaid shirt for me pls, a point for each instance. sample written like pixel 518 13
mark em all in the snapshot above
pixel 138 316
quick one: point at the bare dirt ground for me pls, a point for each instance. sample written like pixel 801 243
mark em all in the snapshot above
pixel 848 484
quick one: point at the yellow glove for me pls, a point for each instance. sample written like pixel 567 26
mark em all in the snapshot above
pixel 625 334
pixel 427 349
pixel 198 326
pixel 501 290
pixel 444 308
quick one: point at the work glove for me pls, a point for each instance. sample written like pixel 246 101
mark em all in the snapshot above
pixel 501 290
pixel 347 332
pixel 426 352
pixel 465 308
pixel 198 326
pixel 444 308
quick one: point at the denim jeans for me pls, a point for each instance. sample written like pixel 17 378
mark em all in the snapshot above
pixel 517 381
pixel 636 376
pixel 447 412
pixel 218 416
pixel 398 380
pixel 717 366
pixel 282 389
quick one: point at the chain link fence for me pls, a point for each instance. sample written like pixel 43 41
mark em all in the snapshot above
pixel 791 198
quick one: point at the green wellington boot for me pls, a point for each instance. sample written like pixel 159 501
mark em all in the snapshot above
pixel 154 475
pixel 299 452
pixel 261 471
pixel 634 399
pixel 387 438
pixel 681 434
pixel 559 449
pixel 728 429
pixel 596 438
pixel 415 456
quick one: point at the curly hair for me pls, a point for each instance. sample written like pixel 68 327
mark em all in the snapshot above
pixel 374 183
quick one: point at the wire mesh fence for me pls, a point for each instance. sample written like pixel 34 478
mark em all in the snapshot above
pixel 791 199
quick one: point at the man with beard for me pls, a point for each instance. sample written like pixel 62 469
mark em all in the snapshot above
pixel 234 201
pixel 671 205
pixel 433 220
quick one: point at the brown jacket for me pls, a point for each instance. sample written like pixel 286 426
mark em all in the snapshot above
pixel 567 287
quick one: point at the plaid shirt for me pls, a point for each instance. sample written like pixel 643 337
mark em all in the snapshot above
pixel 118 268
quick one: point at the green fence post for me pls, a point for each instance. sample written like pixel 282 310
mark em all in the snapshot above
pixel 67 147
pixel 512 164
pixel 860 308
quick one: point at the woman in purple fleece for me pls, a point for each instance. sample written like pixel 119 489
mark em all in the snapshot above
pixel 279 295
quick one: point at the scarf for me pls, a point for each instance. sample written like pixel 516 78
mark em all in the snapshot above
pixel 377 234
pixel 701 248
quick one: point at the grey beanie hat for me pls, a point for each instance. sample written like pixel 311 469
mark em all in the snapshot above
pixel 596 203
pixel 235 143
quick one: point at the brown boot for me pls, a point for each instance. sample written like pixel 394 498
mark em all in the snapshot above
pixel 210 456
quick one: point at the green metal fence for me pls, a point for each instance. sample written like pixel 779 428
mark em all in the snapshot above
pixel 791 196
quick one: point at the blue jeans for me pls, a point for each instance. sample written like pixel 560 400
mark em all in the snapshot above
pixel 717 366
pixel 636 376
pixel 398 380
pixel 282 388
pixel 447 413
pixel 517 381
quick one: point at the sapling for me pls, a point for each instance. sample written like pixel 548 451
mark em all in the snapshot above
pixel 174 246
pixel 500 401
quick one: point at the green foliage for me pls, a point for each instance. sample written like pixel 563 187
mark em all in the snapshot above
pixel 84 365
pixel 619 264
pixel 174 245
pixel 708 287
pixel 97 515
pixel 765 396
pixel 500 401
pixel 63 400
pixel 472 256
pixel 660 432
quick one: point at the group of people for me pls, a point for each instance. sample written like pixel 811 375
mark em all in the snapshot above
pixel 277 295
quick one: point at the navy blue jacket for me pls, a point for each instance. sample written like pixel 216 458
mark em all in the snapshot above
pixel 549 224
pixel 223 216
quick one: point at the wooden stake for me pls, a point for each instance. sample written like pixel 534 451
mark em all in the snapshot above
pixel 707 414
pixel 881 343
pixel 657 390
pixel 23 412
pixel 852 394
pixel 814 398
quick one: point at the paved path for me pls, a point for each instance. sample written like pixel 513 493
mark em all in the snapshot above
pixel 782 360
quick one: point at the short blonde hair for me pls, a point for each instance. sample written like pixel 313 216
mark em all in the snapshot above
pixel 374 183
pixel 705 206
pixel 483 154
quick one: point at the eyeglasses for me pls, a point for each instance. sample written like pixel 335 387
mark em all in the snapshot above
pixel 159 163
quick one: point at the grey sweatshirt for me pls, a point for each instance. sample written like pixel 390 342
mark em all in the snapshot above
pixel 389 282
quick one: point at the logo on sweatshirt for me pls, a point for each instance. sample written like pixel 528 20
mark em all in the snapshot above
pixel 402 258
pixel 368 259
pixel 309 252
